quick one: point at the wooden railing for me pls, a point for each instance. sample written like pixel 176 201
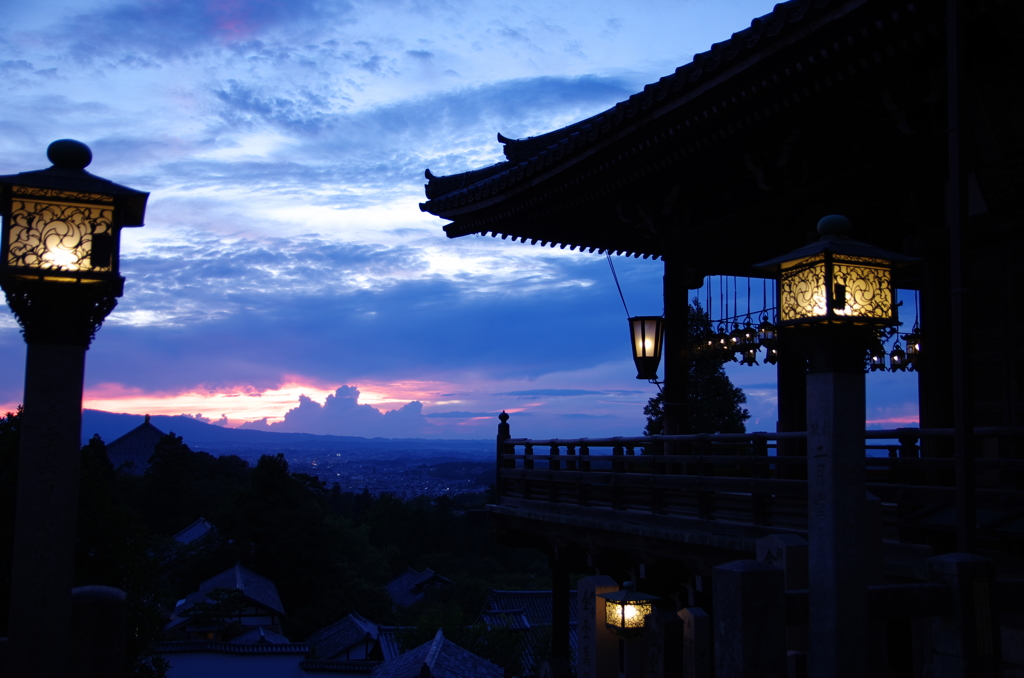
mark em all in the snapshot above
pixel 741 478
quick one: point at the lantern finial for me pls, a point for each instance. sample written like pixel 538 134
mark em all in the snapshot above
pixel 834 224
pixel 69 154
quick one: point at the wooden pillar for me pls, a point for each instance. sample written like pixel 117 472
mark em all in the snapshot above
pixel 559 608
pixel 792 399
pixel 43 567
pixel 676 347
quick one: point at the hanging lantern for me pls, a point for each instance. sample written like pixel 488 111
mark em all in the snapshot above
pixel 767 337
pixel 765 331
pixel 913 347
pixel 624 610
pixel 898 359
pixel 748 345
pixel 877 357
pixel 837 280
pixel 646 332
pixel 736 338
pixel 722 343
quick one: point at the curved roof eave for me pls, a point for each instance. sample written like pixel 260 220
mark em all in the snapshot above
pixel 536 159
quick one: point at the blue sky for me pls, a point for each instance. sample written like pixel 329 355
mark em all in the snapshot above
pixel 285 276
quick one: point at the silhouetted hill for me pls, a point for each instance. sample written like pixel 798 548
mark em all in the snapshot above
pixel 219 439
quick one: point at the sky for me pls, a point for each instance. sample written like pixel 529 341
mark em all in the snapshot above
pixel 285 278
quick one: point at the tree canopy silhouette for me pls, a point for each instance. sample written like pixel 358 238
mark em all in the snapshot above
pixel 716 406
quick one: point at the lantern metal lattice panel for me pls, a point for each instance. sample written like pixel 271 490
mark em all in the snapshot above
pixel 629 615
pixel 865 283
pixel 60 231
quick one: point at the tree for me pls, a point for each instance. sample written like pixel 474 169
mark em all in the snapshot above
pixel 715 404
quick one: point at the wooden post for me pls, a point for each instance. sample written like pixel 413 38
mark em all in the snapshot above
pixel 559 607
pixel 503 435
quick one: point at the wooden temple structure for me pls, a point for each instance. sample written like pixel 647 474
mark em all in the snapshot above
pixel 821 107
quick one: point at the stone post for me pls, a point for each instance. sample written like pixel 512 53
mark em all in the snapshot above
pixel 663 645
pixel 788 552
pixel 696 642
pixel 967 642
pixel 597 648
pixel 98 636
pixel 835 503
pixel 749 620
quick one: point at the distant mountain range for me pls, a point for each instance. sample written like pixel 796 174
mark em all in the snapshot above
pixel 219 439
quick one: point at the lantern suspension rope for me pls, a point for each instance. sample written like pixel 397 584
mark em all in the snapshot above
pixel 748 299
pixel 617 286
pixel 735 301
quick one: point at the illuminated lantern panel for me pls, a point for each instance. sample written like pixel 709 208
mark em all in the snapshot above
pixel 837 279
pixel 827 286
pixel 61 231
pixel 645 335
pixel 626 615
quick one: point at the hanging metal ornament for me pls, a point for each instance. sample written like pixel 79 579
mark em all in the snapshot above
pixel 877 356
pixel 898 358
pixel 723 344
pixel 913 340
pixel 748 344
pixel 736 338
pixel 765 331
pixel 766 336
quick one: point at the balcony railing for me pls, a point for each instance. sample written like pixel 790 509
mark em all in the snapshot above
pixel 742 478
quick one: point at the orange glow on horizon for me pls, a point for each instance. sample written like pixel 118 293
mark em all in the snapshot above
pixel 244 403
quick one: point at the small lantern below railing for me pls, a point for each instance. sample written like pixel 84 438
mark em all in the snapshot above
pixel 645 333
pixel 624 610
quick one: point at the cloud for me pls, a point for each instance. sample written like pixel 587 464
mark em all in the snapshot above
pixel 342 414
pixel 550 392
pixel 176 29
pixel 460 415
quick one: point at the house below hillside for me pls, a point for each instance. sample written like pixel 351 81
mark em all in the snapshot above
pixel 261 606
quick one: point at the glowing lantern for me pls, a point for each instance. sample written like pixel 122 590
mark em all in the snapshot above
pixel 913 346
pixel 898 359
pixel 646 332
pixel 837 280
pixel 63 224
pixel 624 610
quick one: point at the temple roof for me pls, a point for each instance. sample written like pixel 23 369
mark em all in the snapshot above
pixel 410 586
pixel 438 658
pixel 131 452
pixel 534 157
pixel 736 155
